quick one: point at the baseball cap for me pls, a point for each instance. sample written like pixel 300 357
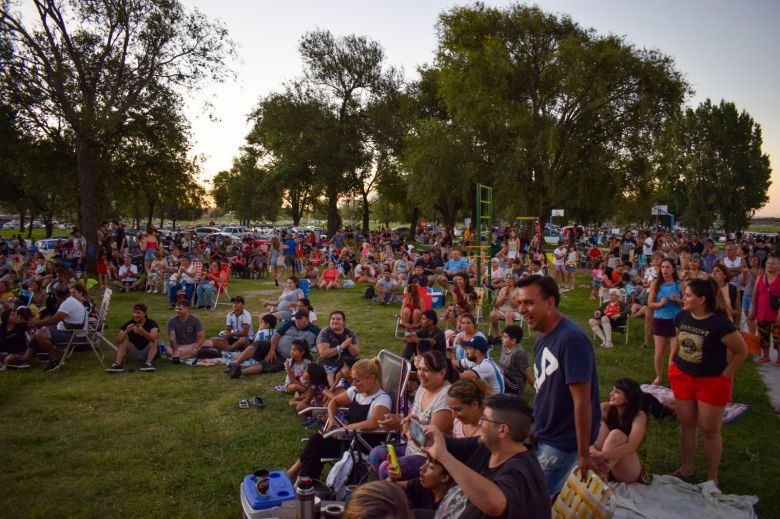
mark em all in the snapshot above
pixel 301 313
pixel 477 342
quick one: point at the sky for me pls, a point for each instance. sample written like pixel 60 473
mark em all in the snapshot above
pixel 725 49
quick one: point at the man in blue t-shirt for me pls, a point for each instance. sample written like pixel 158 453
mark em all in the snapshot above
pixel 566 407
pixel 289 252
pixel 457 264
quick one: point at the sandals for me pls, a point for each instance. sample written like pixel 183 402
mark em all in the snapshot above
pixel 252 402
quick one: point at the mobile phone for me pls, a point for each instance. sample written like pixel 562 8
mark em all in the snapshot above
pixel 392 457
pixel 416 432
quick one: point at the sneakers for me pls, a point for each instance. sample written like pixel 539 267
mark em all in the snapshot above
pixel 53 365
pixel 235 370
pixel 115 368
pixel 147 366
pixel 282 388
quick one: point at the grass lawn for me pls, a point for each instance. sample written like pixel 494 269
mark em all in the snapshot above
pixel 82 443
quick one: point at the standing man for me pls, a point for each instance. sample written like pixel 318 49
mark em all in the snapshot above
pixel 238 328
pixel 137 340
pixel 185 332
pixel 120 238
pixel 566 406
pixel 427 337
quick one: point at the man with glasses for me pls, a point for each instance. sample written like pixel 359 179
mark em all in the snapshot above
pixel 496 472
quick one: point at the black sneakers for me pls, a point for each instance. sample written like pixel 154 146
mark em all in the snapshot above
pixel 53 365
pixel 115 368
pixel 235 370
pixel 147 366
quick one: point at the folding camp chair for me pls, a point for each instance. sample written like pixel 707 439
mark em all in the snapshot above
pixel 591 499
pixel 395 372
pixel 222 286
pixel 425 298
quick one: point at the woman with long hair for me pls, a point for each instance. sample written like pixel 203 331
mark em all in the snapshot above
pixel 721 275
pixel 707 353
pixel 623 427
pixel 367 402
pixel 664 300
pixel 411 307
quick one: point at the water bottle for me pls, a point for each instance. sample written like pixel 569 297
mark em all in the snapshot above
pixel 304 498
pixel 163 349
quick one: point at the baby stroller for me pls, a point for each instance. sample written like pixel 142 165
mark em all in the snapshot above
pixel 352 468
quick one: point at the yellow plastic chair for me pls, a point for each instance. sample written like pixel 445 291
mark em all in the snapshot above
pixel 582 500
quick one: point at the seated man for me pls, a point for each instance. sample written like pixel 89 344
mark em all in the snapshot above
pixel 418 276
pixel 427 337
pixel 457 264
pixel 386 287
pixel 69 317
pixel 185 279
pixel 137 340
pixel 428 263
pixel 272 354
pixel 238 328
pixel 185 332
pixel 127 276
pixel 477 364
pixel 499 476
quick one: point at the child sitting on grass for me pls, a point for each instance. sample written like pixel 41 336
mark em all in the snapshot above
pixel 296 366
pixel 315 380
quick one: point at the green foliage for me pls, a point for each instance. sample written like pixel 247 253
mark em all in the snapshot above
pixel 248 190
pixel 714 152
pixel 551 106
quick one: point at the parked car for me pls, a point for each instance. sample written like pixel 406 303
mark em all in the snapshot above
pixel 11 225
pixel 48 245
pixel 239 230
pixel 203 231
pixel 223 236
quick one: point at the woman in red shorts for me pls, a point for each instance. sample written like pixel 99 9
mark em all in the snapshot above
pixel 708 351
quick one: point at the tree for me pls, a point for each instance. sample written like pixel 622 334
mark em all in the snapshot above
pixel 348 71
pixel 248 190
pixel 95 64
pixel 557 112
pixel 715 154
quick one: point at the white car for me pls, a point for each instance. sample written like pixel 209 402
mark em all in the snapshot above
pixel 223 236
pixel 11 225
pixel 238 230
pixel 48 245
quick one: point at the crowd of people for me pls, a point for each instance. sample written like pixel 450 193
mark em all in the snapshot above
pixel 479 454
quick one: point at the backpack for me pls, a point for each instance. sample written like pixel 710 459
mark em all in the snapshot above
pixel 369 293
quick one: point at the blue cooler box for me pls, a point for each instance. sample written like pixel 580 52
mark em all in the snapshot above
pixel 254 505
pixel 437 298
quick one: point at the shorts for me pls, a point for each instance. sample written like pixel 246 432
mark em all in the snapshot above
pixel 272 366
pixel 597 284
pixel 664 327
pixel 558 268
pixel 289 260
pixel 709 390
pixel 571 269
pixel 149 255
pixel 185 351
pixel 747 302
pixel 58 336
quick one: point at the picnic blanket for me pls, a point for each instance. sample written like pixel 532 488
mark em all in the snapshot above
pixel 665 396
pixel 669 496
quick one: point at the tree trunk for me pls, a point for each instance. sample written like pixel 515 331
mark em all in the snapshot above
pixel 152 203
pixel 364 195
pixel 413 225
pixel 29 228
pixel 87 195
pixel 21 222
pixel 333 214
pixel 162 215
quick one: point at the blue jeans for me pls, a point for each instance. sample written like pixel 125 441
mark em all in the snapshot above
pixel 556 465
pixel 189 289
pixel 203 292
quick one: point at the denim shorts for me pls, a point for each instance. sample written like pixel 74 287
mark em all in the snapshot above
pixel 556 466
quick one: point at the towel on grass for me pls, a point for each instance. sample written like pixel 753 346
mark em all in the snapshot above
pixel 665 396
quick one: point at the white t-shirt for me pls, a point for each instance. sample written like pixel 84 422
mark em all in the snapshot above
pixel 647 246
pixel 237 322
pixel 488 371
pixel 378 398
pixel 560 254
pixel 75 314
pixel 133 274
pixel 650 274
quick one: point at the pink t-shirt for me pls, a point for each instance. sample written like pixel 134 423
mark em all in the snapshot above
pixel 764 311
